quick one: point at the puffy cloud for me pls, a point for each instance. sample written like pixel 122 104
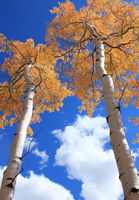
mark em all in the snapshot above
pixel 83 152
pixel 42 155
pixel 135 153
pixel 36 187
pixel 29 142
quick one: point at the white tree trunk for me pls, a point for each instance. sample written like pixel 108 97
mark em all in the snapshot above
pixel 127 171
pixel 10 174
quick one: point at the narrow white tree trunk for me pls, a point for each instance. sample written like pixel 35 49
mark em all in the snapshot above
pixel 127 171
pixel 10 174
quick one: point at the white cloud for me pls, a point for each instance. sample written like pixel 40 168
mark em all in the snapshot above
pixel 29 142
pixel 135 153
pixel 42 155
pixel 36 187
pixel 83 153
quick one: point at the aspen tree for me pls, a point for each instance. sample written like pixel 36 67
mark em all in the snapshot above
pixel 33 87
pixel 128 173
pixel 101 44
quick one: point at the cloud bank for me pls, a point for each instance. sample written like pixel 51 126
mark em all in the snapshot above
pixel 86 158
pixel 39 187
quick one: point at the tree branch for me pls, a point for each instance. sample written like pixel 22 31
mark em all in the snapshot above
pixel 29 147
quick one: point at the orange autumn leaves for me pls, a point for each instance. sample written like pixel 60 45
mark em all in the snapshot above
pixel 49 91
pixel 70 50
pixel 117 24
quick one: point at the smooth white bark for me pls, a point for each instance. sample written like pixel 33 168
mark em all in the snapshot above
pixel 10 174
pixel 127 171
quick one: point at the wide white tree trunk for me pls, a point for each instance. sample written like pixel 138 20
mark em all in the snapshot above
pixel 128 173
pixel 10 174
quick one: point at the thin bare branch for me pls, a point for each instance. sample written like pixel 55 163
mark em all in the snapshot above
pixel 122 93
pixel 29 147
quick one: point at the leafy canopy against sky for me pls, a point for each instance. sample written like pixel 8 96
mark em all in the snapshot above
pixel 59 164
pixel 49 91
pixel 117 24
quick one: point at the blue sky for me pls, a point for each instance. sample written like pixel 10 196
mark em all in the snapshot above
pixel 71 156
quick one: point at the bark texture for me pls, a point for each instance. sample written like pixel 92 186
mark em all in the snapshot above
pixel 127 171
pixel 10 174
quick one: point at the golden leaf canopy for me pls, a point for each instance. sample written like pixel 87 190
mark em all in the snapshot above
pixel 49 91
pixel 116 22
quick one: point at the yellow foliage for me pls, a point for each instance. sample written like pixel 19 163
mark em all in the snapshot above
pixel 2 42
pixel 134 119
pixel 117 24
pixel 49 91
pixel 29 131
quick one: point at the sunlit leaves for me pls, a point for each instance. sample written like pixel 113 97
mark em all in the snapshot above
pixel 49 91
pixel 134 119
pixel 117 24
pixel 2 42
